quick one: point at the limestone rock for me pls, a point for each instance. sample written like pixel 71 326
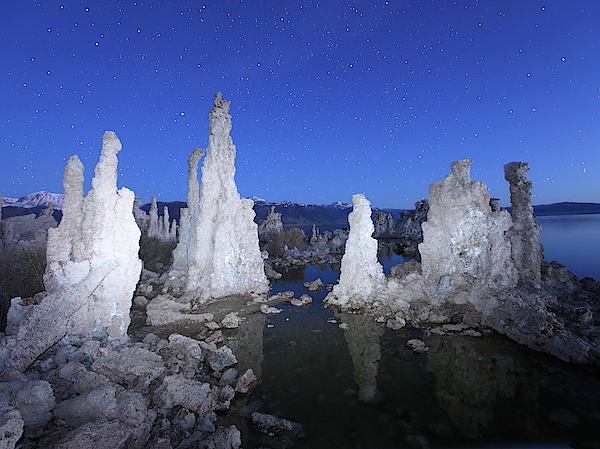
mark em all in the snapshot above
pixel 91 406
pixel 244 382
pixel 416 345
pixel 361 273
pixel 269 310
pixel 224 438
pixel 11 425
pixel 231 321
pixel 97 230
pixel 524 235
pixel 92 265
pixel 186 349
pixel 271 225
pixel 383 224
pixel 196 396
pixel 101 434
pixel 81 379
pixel 314 286
pixel 133 366
pixel 141 217
pixel 33 399
pixel 463 238
pixel 162 310
pixel 220 253
pixel 159 226
pixel 271 424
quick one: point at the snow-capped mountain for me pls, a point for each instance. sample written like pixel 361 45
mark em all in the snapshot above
pixel 340 205
pixel 36 199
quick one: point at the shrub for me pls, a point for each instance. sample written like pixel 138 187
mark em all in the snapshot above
pixel 21 274
pixel 293 238
pixel 156 254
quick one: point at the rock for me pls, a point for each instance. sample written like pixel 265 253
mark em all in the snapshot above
pixel 199 397
pixel 221 358
pixel 271 424
pixel 224 438
pixel 282 296
pixel 396 323
pixel 231 321
pixel 33 399
pixel 140 301
pixel 228 377
pixel 90 406
pixel 184 419
pixel 212 325
pixel 272 224
pixel 306 299
pixel 269 310
pixel 244 382
pixel 361 274
pixel 11 426
pixel 151 339
pixel 163 310
pixel 417 345
pixel 186 349
pixel 92 265
pixel 524 235
pixel 383 224
pixel 159 227
pixel 315 285
pixel 101 434
pixel 463 238
pixel 218 235
pixel 135 367
pixel 81 379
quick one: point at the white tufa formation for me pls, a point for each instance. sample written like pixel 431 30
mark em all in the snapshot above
pixel 524 236
pixel 463 238
pixel 218 251
pixel 361 273
pixel 159 227
pixel 95 232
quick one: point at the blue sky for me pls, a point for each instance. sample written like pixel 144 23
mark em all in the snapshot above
pixel 329 98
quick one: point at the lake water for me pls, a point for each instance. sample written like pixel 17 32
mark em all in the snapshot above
pixel 466 392
pixel 574 241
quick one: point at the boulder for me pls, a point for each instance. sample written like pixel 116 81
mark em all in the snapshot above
pixel 133 366
pixel 11 426
pixel 33 399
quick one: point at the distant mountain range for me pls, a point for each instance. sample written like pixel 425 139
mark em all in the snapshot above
pixel 291 213
pixel 36 199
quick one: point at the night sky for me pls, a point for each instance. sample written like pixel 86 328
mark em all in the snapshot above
pixel 328 98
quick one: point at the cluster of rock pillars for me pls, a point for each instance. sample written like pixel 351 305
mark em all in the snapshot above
pixel 481 268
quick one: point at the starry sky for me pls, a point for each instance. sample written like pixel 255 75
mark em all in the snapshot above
pixel 329 98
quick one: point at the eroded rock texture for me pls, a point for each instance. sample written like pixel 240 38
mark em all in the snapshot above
pixel 92 265
pixel 525 233
pixel 220 254
pixel 361 273
pixel 383 224
pixel 463 238
pixel 272 224
pixel 95 232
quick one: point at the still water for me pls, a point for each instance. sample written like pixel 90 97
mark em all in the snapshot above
pixel 465 392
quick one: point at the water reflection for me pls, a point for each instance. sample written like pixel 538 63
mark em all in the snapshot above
pixel 361 387
pixel 363 336
pixel 471 374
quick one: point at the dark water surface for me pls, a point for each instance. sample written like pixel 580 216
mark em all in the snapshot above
pixel 574 241
pixel 465 392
